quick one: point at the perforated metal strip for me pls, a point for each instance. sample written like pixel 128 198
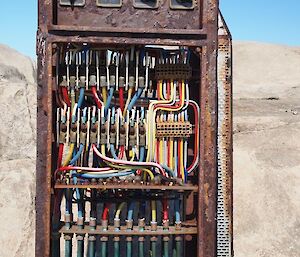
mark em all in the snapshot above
pixel 224 200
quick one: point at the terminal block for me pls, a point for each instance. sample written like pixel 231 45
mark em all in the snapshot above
pixel 173 71
pixel 174 129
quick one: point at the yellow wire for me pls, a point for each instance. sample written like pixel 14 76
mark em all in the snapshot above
pixel 181 159
pixel 151 115
pixel 150 173
pixel 118 212
pixel 104 94
pixel 69 156
pixel 153 212
pixel 161 151
pixel 171 158
pixel 103 149
pixel 128 100
pixel 72 98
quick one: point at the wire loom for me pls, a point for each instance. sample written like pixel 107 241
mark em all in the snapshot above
pixel 124 117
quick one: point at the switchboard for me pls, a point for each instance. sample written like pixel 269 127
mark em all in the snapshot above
pixel 134 129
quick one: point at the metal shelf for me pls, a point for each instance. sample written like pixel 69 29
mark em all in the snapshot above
pixel 130 187
pixel 184 230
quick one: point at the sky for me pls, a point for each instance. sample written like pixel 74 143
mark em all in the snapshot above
pixel 273 21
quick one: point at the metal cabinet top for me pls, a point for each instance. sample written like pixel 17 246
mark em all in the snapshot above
pixel 131 16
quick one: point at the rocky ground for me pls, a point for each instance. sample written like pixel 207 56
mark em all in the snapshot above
pixel 17 153
pixel 266 151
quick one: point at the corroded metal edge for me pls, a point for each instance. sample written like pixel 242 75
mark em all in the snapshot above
pixel 225 163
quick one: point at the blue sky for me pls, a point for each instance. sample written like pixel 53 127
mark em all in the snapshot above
pixel 274 21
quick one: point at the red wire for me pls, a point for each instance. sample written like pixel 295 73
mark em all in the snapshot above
pixel 58 193
pixel 179 162
pixel 168 154
pixel 60 155
pixel 196 135
pixel 157 151
pixel 177 103
pixel 165 209
pixel 96 97
pixel 105 212
pixel 121 98
pixel 168 90
pixel 66 96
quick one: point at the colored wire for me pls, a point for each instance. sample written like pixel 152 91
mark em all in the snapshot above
pixel 104 94
pixel 119 174
pixel 96 97
pixel 165 209
pixel 197 137
pixel 65 94
pixel 118 212
pixel 130 211
pixel 78 154
pixel 130 163
pixel 81 97
pixel 72 98
pixel 113 151
pixel 109 99
pixel 60 155
pixel 128 100
pixel 135 98
pixel 69 156
pixel 153 211
pixel 177 210
pixel 121 98
pixel 105 211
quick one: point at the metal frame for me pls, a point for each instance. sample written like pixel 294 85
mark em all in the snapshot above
pixel 225 144
pixel 205 38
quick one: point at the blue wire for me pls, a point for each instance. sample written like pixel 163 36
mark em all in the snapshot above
pixel 77 155
pixel 109 99
pixel 177 210
pixel 169 170
pixel 120 174
pixel 189 56
pixel 72 162
pixel 135 98
pixel 81 97
pixel 130 211
pixel 185 175
pixel 68 202
pixel 142 154
pixel 143 204
pixel 113 151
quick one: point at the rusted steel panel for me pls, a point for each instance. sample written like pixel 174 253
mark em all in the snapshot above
pixel 44 148
pixel 103 39
pixel 163 17
pixel 225 169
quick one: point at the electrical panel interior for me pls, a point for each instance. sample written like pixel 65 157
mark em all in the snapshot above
pixel 134 131
pixel 127 142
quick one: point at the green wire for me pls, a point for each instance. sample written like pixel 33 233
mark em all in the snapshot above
pixel 91 249
pixel 166 249
pixel 153 248
pixel 178 248
pixel 80 244
pixel 129 249
pixel 68 248
pixel 103 249
pixel 141 249
pixel 116 249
